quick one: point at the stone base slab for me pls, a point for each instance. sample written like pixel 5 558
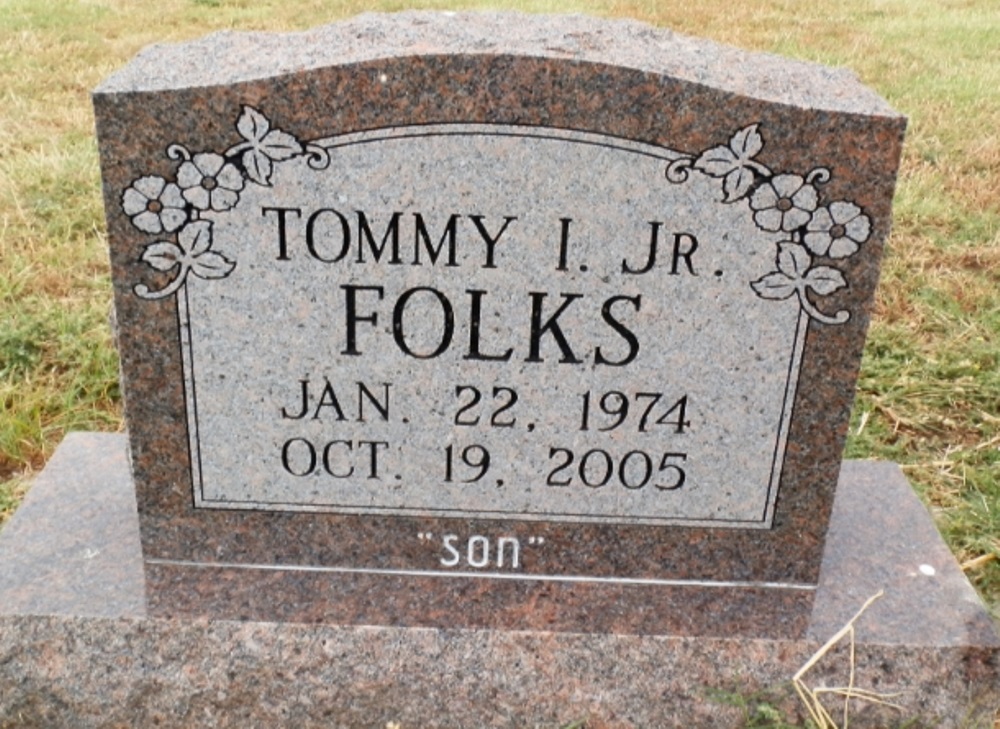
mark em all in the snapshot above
pixel 77 647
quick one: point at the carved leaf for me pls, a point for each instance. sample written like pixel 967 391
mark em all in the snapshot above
pixel 279 145
pixel 266 145
pixel 162 255
pixel 793 260
pixel 733 162
pixel 212 265
pixel 258 167
pixel 824 280
pixel 717 161
pixel 195 238
pixel 737 183
pixel 774 285
pixel 746 143
pixel 252 125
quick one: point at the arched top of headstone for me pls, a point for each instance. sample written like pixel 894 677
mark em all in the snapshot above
pixel 230 57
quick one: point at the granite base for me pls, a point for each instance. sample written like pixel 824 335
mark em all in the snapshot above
pixel 79 648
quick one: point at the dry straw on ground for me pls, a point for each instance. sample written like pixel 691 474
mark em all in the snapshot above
pixel 812 697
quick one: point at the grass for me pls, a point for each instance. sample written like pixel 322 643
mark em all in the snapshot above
pixel 759 710
pixel 929 394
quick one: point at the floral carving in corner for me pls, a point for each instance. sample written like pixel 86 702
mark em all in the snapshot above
pixel 205 182
pixel 788 204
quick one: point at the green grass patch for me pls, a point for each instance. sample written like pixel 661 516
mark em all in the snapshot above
pixel 761 709
pixel 11 493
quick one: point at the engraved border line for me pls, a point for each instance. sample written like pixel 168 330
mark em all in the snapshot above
pixel 580 579
pixel 459 129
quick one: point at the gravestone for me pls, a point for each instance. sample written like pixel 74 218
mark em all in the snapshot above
pixel 532 312
pixel 491 323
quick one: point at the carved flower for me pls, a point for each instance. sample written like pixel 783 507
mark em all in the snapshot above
pixel 785 202
pixel 209 182
pixel 154 205
pixel 837 231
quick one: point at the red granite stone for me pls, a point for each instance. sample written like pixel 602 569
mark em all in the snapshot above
pixel 613 78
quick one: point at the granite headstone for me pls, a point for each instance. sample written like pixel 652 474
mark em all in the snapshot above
pixel 430 299
pixel 516 349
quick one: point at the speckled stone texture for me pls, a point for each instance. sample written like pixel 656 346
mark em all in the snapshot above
pixel 78 648
pixel 619 79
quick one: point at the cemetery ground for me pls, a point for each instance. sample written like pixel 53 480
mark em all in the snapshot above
pixel 929 391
